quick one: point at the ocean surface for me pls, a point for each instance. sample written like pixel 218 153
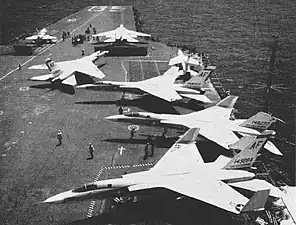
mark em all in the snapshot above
pixel 236 34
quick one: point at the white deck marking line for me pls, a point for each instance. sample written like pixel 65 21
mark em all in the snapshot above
pixel 29 60
pixel 125 72
pixel 147 60
pixel 92 203
pixel 157 68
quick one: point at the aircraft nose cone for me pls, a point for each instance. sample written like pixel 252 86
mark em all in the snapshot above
pixel 59 198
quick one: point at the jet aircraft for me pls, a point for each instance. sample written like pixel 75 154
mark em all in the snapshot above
pixel 188 62
pixel 120 33
pixel 162 87
pixel 71 72
pixel 42 37
pixel 182 170
pixel 214 123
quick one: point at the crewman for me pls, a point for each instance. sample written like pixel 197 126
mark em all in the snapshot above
pixel 133 131
pixel 82 51
pixel 94 30
pixel 64 35
pixel 91 151
pixel 20 66
pixel 146 149
pixel 59 137
pixel 120 110
pixel 152 143
pixel 74 40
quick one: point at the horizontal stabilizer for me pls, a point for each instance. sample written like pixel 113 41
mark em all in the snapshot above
pixel 45 77
pixel 269 146
pixel 255 185
pixel 228 102
pixel 257 202
pixel 215 193
pixel 189 137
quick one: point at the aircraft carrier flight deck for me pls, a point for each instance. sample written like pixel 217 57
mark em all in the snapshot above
pixel 34 168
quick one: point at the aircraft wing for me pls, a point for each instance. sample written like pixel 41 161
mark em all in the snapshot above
pixel 48 37
pixel 42 77
pixel 212 192
pixel 33 37
pixel 168 94
pixel 214 113
pixel 221 137
pixel 43 66
pixel 39 67
pixel 135 34
pixel 182 157
pixel 89 68
pixel 110 33
pixel 197 97
pixel 161 86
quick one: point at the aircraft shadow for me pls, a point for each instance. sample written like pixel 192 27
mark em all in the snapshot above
pixel 52 86
pixel 210 151
pixel 146 102
pixel 162 207
pixel 192 105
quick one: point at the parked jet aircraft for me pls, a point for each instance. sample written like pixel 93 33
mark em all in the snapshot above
pixel 70 72
pixel 187 62
pixel 214 123
pixel 162 86
pixel 183 171
pixel 121 33
pixel 42 37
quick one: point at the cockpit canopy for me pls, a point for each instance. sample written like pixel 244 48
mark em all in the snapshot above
pixel 136 114
pixel 91 187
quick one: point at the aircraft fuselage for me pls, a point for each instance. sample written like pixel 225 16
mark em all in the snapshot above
pixel 146 180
